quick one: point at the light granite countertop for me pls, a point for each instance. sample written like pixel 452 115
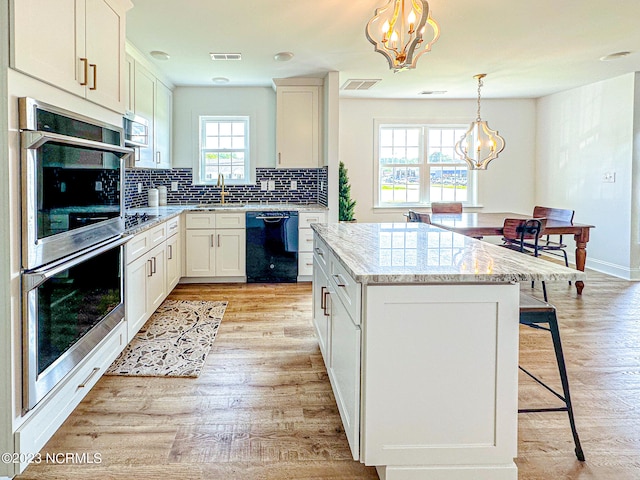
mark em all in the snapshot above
pixel 162 214
pixel 420 253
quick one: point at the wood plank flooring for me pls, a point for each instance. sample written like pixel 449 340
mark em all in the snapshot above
pixel 263 408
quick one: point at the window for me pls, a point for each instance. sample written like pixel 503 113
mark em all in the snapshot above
pixel 418 165
pixel 224 149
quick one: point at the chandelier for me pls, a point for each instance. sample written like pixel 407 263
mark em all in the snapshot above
pixel 480 144
pixel 398 29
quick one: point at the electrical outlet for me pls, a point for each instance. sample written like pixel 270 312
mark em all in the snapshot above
pixel 294 185
pixel 272 185
pixel 139 187
pixel 322 185
pixel 174 186
pixel 609 177
pixel 263 185
pixel 98 186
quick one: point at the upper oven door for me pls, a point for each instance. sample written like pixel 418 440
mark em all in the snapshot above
pixel 72 194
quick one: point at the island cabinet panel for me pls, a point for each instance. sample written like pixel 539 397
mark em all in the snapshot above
pixel 445 388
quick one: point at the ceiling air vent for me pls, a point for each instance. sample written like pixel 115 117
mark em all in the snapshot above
pixel 360 84
pixel 226 56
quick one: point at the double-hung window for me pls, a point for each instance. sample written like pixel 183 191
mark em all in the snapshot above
pixel 224 149
pixel 417 165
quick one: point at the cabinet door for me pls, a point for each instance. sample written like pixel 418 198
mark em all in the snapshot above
pixel 298 126
pixel 230 257
pixel 157 281
pixel 105 33
pixel 344 370
pixel 321 313
pixel 136 296
pixel 200 253
pixel 163 125
pixel 144 105
pixel 129 93
pixel 48 41
pixel 174 261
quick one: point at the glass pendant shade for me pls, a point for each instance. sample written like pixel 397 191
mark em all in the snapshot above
pixel 480 144
pixel 402 31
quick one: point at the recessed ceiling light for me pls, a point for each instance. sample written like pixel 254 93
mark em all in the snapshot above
pixel 283 56
pixel 159 55
pixel 220 80
pixel 614 56
pixel 433 92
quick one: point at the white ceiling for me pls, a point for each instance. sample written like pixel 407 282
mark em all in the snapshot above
pixel 528 48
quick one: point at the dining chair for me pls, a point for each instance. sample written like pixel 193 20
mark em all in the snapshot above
pixel 554 247
pixel 446 207
pixel 541 315
pixel 523 235
pixel 413 216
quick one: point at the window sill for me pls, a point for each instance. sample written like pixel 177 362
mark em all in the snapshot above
pixel 404 208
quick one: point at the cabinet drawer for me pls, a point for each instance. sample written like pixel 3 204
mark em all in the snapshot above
pixel 305 263
pixel 201 220
pixel 157 235
pixel 305 240
pixel 346 288
pixel 305 219
pixel 173 226
pixel 230 220
pixel 136 246
pixel 321 252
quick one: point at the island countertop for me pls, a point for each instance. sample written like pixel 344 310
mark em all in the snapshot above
pixel 412 252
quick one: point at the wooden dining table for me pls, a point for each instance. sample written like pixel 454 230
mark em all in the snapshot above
pixel 480 225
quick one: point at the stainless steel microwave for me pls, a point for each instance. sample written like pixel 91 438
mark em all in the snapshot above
pixel 136 131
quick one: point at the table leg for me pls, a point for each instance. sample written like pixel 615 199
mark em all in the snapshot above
pixel 581 254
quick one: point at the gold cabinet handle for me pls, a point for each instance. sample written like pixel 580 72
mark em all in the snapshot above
pixel 85 71
pixel 94 67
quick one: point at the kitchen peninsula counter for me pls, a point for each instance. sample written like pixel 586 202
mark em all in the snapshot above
pixel 418 328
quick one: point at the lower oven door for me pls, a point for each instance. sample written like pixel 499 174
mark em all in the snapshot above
pixel 68 308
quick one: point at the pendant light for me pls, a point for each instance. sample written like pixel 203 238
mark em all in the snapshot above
pixel 480 144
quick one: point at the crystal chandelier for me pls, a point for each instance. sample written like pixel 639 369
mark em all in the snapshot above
pixel 480 144
pixel 398 30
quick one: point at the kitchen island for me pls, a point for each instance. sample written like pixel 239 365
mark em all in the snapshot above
pixel 418 328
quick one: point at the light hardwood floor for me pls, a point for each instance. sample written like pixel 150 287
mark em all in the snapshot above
pixel 263 407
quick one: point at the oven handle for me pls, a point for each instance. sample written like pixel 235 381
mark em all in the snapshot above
pixel 34 278
pixel 35 139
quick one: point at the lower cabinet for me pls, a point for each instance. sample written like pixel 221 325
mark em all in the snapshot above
pixel 215 245
pixel 174 262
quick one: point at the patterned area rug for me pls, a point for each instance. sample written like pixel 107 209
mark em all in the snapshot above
pixel 174 342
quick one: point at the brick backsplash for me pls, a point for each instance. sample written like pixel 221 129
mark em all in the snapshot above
pixel 311 187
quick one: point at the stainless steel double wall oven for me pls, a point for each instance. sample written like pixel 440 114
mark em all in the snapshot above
pixel 72 171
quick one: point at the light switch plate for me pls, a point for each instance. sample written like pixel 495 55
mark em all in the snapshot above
pixel 174 186
pixel 272 185
pixel 263 185
pixel 294 185
pixel 139 187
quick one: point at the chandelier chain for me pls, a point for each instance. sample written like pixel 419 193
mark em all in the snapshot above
pixel 479 87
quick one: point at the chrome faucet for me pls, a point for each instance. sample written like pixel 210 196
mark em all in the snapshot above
pixel 221 184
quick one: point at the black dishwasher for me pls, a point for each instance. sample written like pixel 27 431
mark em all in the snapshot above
pixel 272 247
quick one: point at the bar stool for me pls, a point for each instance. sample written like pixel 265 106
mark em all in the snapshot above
pixel 535 313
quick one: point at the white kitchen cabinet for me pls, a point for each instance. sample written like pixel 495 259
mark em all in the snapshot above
pixel 75 45
pixel 215 245
pixel 153 268
pixel 173 253
pixel 162 128
pixel 298 123
pixel 321 311
pixel 144 105
pixel 305 242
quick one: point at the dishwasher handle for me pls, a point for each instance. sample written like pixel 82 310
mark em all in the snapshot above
pixel 270 219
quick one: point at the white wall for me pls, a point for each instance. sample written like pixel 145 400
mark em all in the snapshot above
pixel 507 185
pixel 583 134
pixel 257 102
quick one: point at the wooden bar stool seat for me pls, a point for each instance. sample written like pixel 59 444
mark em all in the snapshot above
pixel 535 313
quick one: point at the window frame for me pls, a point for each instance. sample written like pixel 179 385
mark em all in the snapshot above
pixel 248 167
pixel 423 165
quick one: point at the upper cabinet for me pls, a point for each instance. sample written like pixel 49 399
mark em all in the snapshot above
pixel 75 45
pixel 149 97
pixel 298 122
